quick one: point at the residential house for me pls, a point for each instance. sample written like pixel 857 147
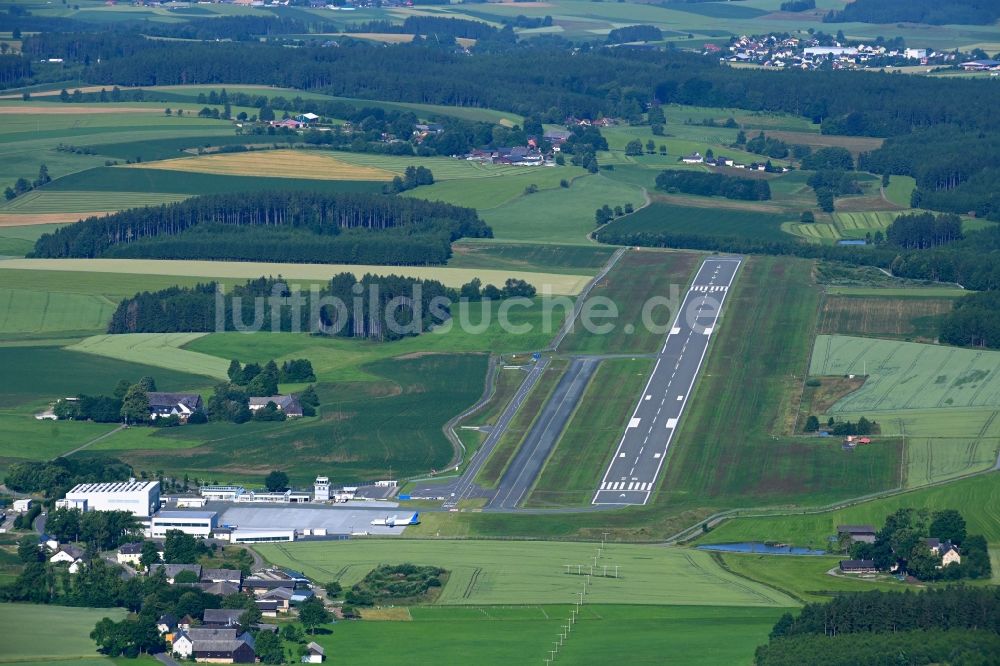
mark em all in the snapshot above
pixel 223 617
pixel 858 533
pixel 234 576
pixel 181 405
pixel 172 570
pixel 946 550
pixel 68 553
pixel 222 588
pixel 130 553
pixel 167 623
pixel 315 654
pixel 858 566
pixel 236 651
pixel 288 404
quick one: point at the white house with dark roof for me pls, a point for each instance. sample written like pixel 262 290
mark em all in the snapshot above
pixel 288 404
pixel 182 405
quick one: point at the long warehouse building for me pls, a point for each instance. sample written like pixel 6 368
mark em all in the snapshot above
pixel 141 498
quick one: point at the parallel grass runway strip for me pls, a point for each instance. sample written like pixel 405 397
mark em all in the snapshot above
pixel 633 471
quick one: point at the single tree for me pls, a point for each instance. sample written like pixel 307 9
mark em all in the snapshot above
pixel 312 614
pixel 276 481
pixel 150 555
pixel 812 423
pixel 135 405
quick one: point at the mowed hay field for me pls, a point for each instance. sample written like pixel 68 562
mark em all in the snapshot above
pixel 908 375
pixel 532 572
pixel 157 349
pixel 883 317
pixel 277 163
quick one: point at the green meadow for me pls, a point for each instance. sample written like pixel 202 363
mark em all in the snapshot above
pixel 677 219
pixel 29 635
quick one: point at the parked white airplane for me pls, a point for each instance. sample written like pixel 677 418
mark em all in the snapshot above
pixel 396 521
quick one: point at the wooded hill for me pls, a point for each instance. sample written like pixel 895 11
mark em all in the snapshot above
pixel 275 226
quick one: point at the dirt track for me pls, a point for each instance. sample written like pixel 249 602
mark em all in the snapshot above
pixel 24 220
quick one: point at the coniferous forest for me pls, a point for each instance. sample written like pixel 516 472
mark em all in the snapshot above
pixel 275 226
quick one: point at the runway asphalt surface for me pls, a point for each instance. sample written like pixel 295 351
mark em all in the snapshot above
pixel 632 472
pixel 544 434
pixel 465 486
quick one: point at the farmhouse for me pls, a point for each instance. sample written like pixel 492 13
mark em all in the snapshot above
pixel 129 553
pixel 142 498
pixel 858 533
pixel 858 566
pixel 181 405
pixel 288 404
pixel 234 576
pixel 946 550
pixel 224 646
pixel 69 554
pixel 223 617
pixel 694 158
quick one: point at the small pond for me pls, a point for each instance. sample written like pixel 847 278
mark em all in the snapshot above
pixel 762 548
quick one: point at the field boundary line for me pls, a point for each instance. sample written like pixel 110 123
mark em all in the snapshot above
pixel 582 297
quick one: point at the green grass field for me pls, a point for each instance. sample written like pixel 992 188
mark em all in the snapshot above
pixel 899 190
pixel 670 218
pixel 16 241
pixel 29 634
pixel 363 429
pixel 803 578
pixel 640 279
pixel 37 375
pixel 574 469
pixel 906 375
pixel 26 438
pixel 492 192
pixel 163 350
pixel 532 257
pixel 904 318
pixel 562 215
pixel 977 498
pixel 27 313
pixel 498 572
pixel 641 635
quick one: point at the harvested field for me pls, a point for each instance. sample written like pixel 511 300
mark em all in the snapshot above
pixel 276 163
pixel 452 277
pixel 855 144
pixel 883 317
pixel 30 219
pixel 72 110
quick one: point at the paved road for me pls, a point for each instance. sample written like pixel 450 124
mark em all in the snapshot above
pixel 632 472
pixel 544 433
pixel 465 486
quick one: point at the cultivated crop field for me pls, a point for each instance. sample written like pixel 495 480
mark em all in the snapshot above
pixel 574 470
pixel 671 218
pixel 910 318
pixel 640 278
pixel 451 277
pixel 907 375
pixel 278 163
pixel 447 635
pixel 162 350
pixel 534 572
pixel 85 203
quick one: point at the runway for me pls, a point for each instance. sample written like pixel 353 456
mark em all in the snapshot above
pixel 633 471
pixel 544 433
pixel 465 486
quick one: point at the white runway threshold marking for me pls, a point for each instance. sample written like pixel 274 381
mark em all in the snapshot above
pixel 642 478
